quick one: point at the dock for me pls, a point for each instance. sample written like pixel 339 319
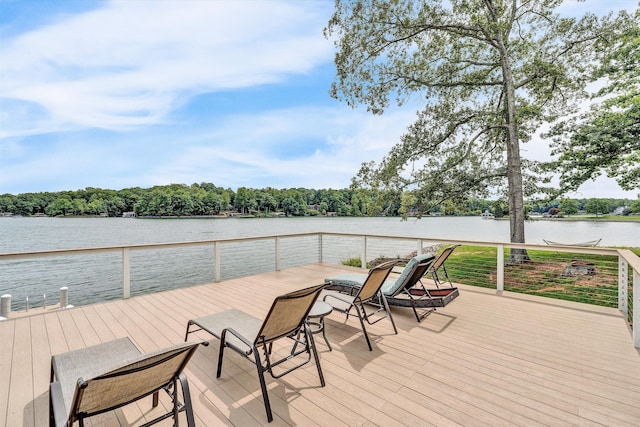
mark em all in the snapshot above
pixel 487 359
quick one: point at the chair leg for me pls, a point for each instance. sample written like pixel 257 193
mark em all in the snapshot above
pixel 434 276
pixel 176 407
pixel 52 422
pixel 324 335
pixel 220 355
pixel 364 330
pixel 186 397
pixel 263 385
pixel 186 334
pixel 446 275
pixel 155 399
pixel 415 312
pixel 386 308
pixel 312 347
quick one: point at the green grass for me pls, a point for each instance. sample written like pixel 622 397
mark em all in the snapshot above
pixel 354 262
pixel 617 218
pixel 542 275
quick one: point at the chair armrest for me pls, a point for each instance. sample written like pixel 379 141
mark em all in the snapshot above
pixel 337 296
pixel 223 340
pixel 58 413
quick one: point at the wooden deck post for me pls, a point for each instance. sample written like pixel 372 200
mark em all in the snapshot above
pixel 623 286
pixel 500 269
pixel 126 273
pixel 5 305
pixel 64 297
pixel 216 260
pixel 636 308
pixel 363 260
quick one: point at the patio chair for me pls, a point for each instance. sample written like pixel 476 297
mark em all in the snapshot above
pixel 247 335
pixel 438 264
pixel 393 290
pixel 350 283
pixel 406 291
pixel 368 293
pixel 107 376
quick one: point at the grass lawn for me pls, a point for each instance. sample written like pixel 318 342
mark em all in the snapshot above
pixel 616 218
pixel 548 273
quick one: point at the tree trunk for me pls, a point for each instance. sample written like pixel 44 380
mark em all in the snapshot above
pixel 514 164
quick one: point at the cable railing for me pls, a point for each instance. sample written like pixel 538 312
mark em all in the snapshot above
pixel 598 276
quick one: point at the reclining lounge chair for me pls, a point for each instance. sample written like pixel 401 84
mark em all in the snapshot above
pixel 247 335
pixel 406 291
pixel 368 293
pixel 438 265
pixel 110 375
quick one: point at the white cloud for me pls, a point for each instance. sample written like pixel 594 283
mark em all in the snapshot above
pixel 311 146
pixel 132 62
pixel 577 8
pixel 258 153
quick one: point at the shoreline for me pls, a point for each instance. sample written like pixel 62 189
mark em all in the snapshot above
pixel 625 219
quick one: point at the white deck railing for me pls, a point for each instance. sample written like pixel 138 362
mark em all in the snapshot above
pixel 323 245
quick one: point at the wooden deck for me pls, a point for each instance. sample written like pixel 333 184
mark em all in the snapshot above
pixel 485 359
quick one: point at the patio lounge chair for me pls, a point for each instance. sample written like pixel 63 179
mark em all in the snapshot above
pixel 247 335
pixel 406 291
pixel 110 375
pixel 438 264
pixel 368 293
pixel 349 283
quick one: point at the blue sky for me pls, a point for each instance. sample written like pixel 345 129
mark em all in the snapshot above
pixel 117 94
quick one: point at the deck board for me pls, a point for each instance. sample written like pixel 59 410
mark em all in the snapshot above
pixel 485 359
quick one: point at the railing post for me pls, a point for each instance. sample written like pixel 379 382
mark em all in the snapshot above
pixel 363 257
pixel 216 260
pixel 5 305
pixel 320 249
pixel 623 286
pixel 64 297
pixel 636 308
pixel 419 248
pixel 277 253
pixel 500 269
pixel 126 273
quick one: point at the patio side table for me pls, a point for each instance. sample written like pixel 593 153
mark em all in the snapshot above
pixel 315 319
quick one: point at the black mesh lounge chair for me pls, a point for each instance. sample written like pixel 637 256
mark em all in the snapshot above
pixel 368 293
pixel 248 335
pixel 107 376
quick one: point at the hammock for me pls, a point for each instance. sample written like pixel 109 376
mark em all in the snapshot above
pixel 588 244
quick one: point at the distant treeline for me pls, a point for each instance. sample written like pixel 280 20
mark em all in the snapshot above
pixel 207 199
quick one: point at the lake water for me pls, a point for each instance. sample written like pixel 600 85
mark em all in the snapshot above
pixel 98 277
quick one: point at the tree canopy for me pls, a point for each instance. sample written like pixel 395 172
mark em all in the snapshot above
pixel 606 138
pixel 205 199
pixel 489 72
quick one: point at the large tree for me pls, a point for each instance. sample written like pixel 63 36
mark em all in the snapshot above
pixel 607 137
pixel 489 71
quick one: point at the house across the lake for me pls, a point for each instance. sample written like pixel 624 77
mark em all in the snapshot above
pixel 487 215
